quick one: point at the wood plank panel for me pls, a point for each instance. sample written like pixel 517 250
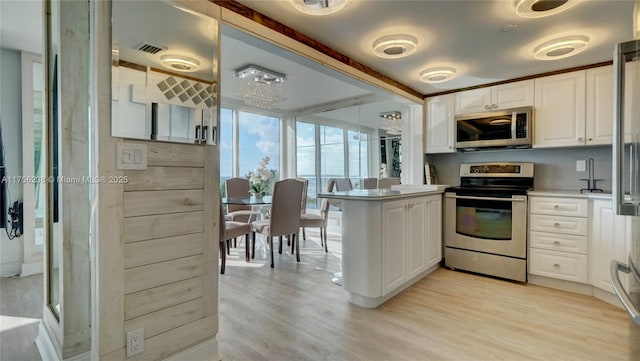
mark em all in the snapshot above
pixel 164 225
pixel 168 318
pixel 164 178
pixel 165 344
pixel 158 250
pixel 158 274
pixel 174 155
pixel 143 203
pixel 211 231
pixel 151 300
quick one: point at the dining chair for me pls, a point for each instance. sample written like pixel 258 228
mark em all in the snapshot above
pixel 285 216
pixel 343 184
pixel 303 202
pixel 239 187
pixel 386 183
pixel 230 230
pixel 314 220
pixel 370 183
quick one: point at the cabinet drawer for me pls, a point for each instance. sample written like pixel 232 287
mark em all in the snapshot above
pixel 564 225
pixel 572 207
pixel 558 242
pixel 566 266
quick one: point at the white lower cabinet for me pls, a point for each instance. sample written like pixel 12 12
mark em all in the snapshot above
pixel 579 247
pixel 411 239
pixel 609 240
pixel 558 238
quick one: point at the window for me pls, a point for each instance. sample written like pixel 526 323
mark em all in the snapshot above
pixel 306 158
pixel 246 138
pixel 325 151
pixel 258 137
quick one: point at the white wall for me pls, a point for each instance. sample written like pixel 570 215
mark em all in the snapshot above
pixel 10 117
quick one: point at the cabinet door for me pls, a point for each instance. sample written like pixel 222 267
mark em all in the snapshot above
pixel 560 110
pixel 512 95
pixel 599 105
pixel 417 217
pixel 434 231
pixel 394 248
pixel 473 101
pixel 608 242
pixel 440 125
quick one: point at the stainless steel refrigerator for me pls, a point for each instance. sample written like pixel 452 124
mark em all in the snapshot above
pixel 626 181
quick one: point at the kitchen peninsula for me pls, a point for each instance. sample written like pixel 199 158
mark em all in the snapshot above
pixel 390 240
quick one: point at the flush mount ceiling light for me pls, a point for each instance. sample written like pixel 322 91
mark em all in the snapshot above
pixel 561 48
pixel 260 87
pixel 541 8
pixel 437 75
pixel 318 7
pixel 180 63
pixel 395 46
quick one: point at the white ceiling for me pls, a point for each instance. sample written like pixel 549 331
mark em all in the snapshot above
pixel 465 34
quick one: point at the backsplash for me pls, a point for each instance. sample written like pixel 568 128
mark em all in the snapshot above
pixel 554 168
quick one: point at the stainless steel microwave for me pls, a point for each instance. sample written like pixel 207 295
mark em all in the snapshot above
pixel 508 128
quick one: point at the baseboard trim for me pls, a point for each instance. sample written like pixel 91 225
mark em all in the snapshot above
pixel 45 346
pixel 563 285
pixel 32 268
pixel 204 351
pixel 48 351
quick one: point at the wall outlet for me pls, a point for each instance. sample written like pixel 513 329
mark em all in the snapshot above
pixel 135 342
pixel 581 165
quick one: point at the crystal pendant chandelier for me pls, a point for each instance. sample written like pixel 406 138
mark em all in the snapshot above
pixel 260 87
pixel 395 122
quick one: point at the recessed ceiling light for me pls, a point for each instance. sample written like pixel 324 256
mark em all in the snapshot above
pixel 395 46
pixel 318 7
pixel 180 63
pixel 561 48
pixel 540 8
pixel 437 75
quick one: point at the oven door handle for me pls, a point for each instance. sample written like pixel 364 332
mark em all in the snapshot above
pixel 488 198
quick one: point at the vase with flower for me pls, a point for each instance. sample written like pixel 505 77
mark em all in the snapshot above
pixel 261 179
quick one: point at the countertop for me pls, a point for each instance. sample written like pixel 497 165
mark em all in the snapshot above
pixel 569 194
pixel 382 194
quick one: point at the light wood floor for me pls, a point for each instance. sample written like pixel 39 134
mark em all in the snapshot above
pixel 294 312
pixel 20 311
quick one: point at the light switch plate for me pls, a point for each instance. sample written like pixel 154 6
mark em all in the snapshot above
pixel 131 156
pixel 581 165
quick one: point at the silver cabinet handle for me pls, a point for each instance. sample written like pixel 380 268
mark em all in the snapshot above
pixel 616 267
pixel 493 106
pixel 488 198
pixel 487 107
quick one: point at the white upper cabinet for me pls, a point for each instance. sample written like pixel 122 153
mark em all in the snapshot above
pixel 510 95
pixel 440 128
pixel 559 119
pixel 600 104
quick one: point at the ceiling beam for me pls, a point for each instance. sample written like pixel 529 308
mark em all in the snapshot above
pixel 274 25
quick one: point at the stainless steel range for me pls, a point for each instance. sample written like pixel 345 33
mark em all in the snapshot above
pixel 486 219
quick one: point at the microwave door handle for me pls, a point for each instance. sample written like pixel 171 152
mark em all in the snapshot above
pixel 514 124
pixel 615 269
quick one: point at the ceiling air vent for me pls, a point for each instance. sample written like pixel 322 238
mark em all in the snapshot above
pixel 150 48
